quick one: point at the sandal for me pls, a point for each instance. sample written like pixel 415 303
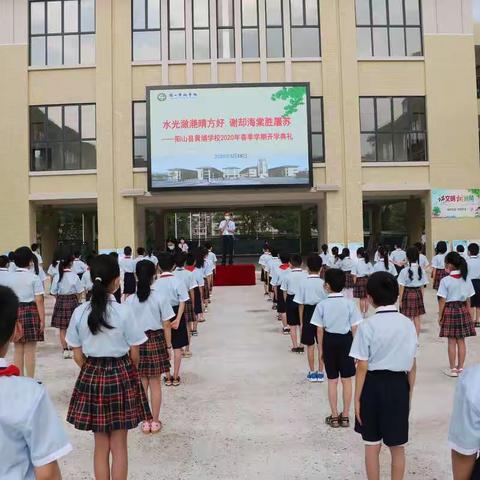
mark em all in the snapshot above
pixel 156 427
pixel 344 421
pixel 286 331
pixel 147 427
pixel 332 421
pixel 176 382
pixel 168 381
pixel 194 333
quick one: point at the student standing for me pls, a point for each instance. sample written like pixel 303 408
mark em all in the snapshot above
pixel 151 257
pixel 412 280
pixel 127 267
pixel 212 258
pixel 106 339
pixel 272 262
pixel 399 258
pixel 87 283
pixel 290 287
pixel 326 260
pixel 473 263
pixel 153 313
pixel 385 347
pixel 455 320
pixel 67 288
pixel 336 319
pixel 262 261
pixel 31 311
pixel 183 245
pixel 197 292
pixel 361 271
pixel 310 293
pixel 78 267
pixel 31 434
pixel 277 277
pixel 346 265
pixel 140 255
pixel 383 264
pixel 335 261
pixel 438 264
pixel 422 259
pixel 39 262
pixel 169 285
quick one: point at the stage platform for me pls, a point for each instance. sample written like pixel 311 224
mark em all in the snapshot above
pixel 235 275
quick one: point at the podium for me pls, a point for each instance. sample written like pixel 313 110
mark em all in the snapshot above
pixel 235 275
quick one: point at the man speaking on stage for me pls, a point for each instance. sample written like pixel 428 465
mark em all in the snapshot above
pixel 227 230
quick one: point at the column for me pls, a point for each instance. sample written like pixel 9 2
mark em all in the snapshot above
pixel 415 217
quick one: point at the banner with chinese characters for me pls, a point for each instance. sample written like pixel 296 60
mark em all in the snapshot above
pixel 224 136
pixel 456 203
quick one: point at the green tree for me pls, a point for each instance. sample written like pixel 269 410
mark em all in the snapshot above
pixel 295 96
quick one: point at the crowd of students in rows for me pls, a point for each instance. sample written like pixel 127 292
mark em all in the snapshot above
pixel 317 309
pixel 123 319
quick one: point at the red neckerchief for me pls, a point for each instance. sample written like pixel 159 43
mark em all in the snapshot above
pixel 67 270
pixel 166 274
pixel 284 266
pixel 190 268
pixel 456 275
pixel 10 371
pixel 127 256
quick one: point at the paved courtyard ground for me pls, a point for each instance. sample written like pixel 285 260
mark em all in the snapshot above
pixel 246 411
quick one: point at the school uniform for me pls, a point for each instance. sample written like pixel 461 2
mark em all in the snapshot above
pixel 66 290
pixel 423 261
pixel 108 394
pixel 262 261
pixel 326 264
pixel 27 286
pixel 176 291
pixel 377 257
pixel 52 269
pixel 361 271
pixel 212 258
pixel 456 321
pixel 380 267
pixel 190 283
pixel 464 432
pixel 31 434
pixel 412 304
pixel 183 247
pixel 138 259
pixel 438 263
pixel 207 271
pixel 277 277
pixel 337 316
pixel 291 284
pixel 197 295
pixel 79 267
pixel 4 274
pixel 127 266
pixel 271 263
pixel 152 258
pixel 474 276
pixel 310 293
pixel 347 265
pixel 87 284
pixel 12 267
pixel 399 258
pixel 388 342
pixel 150 316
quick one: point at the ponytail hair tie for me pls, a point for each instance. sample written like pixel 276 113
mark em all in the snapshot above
pixel 98 279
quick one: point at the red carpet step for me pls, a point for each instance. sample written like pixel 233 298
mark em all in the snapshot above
pixel 233 275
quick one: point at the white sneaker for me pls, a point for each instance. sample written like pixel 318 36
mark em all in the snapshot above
pixel 451 372
pixel 70 354
pixel 66 355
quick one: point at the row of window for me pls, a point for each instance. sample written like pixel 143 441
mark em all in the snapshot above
pixel 63 137
pixel 62 32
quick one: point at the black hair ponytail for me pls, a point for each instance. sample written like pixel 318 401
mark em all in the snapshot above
pixel 463 268
pixel 383 252
pixel 64 263
pixel 35 264
pixel 324 248
pixel 413 256
pixel 104 271
pixel 200 258
pixel 362 253
pixel 145 271
pixel 458 262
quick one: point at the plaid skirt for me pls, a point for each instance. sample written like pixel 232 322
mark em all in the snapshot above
pixel 154 358
pixel 29 319
pixel 360 287
pixel 349 280
pixel 456 321
pixel 412 304
pixel 189 313
pixel 63 310
pixel 439 274
pixel 108 396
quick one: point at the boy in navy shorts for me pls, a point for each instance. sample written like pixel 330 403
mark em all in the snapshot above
pixel 385 346
pixel 337 318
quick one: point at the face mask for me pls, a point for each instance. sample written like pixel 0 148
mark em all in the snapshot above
pixel 227 217
pixel 171 247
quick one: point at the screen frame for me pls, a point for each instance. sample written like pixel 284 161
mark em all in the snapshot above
pixel 308 186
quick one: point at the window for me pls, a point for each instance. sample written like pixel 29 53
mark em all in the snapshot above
pixel 316 121
pixel 274 28
pixel 225 29
pixel 139 134
pixel 389 28
pixel 146 38
pixel 393 129
pixel 62 32
pixel 305 28
pixel 201 29
pixel 62 137
pixel 176 29
pixel 250 38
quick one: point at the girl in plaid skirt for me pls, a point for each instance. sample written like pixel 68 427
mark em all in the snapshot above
pixel 108 398
pixel 412 281
pixel 361 271
pixel 455 320
pixel 346 265
pixel 153 313
pixel 438 264
pixel 67 288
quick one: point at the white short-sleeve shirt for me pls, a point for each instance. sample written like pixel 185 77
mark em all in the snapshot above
pixel 31 433
pixel 263 258
pixel 79 267
pixel 4 274
pixel 108 342
pixel 416 281
pixel 362 268
pixel 380 267
pixel 87 283
pixel 398 256
pixel 438 261
pixel 207 268
pixel 473 268
pixel 311 291
pixel 423 261
pixel 326 259
pixel 278 274
pixel 336 314
pixel 151 313
pixel 171 286
pixel 198 277
pixel 291 282
pixel 186 277
pixel 464 433
pixel 52 270
pixel 212 258
pixel 271 264
pixel 69 285
pixel 226 225
pixel 25 284
pixel 386 340
pixel 152 258
pixel 127 264
pixel 455 289
pixel 346 264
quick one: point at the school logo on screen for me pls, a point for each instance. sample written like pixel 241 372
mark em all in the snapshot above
pixel 161 97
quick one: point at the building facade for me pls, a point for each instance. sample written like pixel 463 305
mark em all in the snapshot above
pixel 393 107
